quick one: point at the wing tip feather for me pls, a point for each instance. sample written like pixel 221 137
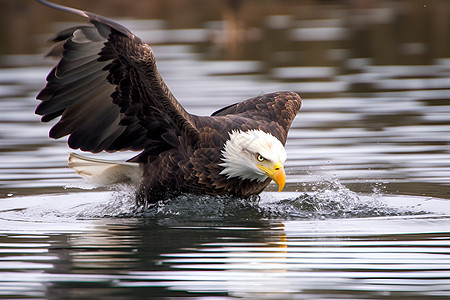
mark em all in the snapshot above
pixel 93 18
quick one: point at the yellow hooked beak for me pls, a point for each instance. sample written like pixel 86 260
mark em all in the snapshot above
pixel 276 174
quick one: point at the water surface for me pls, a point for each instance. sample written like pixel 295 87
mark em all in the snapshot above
pixel 365 212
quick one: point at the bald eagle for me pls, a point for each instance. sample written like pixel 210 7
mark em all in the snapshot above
pixel 110 97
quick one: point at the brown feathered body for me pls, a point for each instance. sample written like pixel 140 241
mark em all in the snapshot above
pixel 110 97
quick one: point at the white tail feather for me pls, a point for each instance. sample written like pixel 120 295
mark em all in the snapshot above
pixel 105 172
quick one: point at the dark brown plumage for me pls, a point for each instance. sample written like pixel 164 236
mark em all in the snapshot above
pixel 111 97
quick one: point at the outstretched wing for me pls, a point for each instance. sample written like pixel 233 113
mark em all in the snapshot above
pixel 272 113
pixel 108 91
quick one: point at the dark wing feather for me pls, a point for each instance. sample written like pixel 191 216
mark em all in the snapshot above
pixel 108 91
pixel 272 113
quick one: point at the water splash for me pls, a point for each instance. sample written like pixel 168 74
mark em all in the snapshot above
pixel 329 199
pixel 119 204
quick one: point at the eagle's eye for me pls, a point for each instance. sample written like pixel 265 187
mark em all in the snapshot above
pixel 259 157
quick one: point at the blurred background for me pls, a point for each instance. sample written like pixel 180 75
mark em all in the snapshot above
pixel 282 32
pixel 374 76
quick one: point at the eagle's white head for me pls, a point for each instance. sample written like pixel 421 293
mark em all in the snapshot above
pixel 254 155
